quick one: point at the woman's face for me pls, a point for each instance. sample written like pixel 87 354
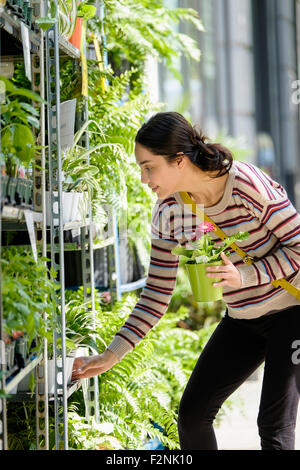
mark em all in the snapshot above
pixel 162 177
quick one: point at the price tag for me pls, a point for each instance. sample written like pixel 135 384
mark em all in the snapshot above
pixel 26 50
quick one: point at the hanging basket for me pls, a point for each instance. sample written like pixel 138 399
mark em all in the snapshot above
pixel 201 285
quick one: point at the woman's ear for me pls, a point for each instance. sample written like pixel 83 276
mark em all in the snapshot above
pixel 180 160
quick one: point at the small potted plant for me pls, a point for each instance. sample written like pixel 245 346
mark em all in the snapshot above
pixel 203 253
pixel 18 145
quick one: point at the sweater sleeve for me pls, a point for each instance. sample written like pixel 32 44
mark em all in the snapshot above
pixel 159 286
pixel 283 221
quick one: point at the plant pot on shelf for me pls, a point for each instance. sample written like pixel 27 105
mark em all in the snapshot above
pixel 24 384
pixel 79 208
pixel 4 187
pixel 10 354
pixel 24 192
pixel 201 285
pixel 11 190
pixel 21 350
pixel 51 372
pixel 74 207
pixel 75 39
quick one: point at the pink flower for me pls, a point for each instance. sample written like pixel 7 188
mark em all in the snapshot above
pixel 106 296
pixel 205 227
pixel 202 228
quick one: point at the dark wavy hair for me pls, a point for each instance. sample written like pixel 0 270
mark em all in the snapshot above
pixel 169 134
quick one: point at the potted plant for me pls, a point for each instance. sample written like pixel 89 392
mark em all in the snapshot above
pixel 84 13
pixel 81 178
pixel 18 148
pixel 80 335
pixel 79 182
pixel 203 253
pixel 28 291
pixel 64 13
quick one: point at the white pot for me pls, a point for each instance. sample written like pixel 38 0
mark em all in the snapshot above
pixel 51 372
pixel 66 208
pixel 24 384
pixel 79 206
pixel 74 207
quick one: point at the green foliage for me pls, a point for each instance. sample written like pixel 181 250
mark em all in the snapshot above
pixel 21 426
pixel 89 435
pixel 63 12
pixel 70 80
pixel 204 251
pixel 145 387
pixel 18 116
pixel 28 290
pixel 135 29
pixel 81 175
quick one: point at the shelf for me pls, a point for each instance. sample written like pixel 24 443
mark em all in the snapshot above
pixel 28 396
pixel 10 22
pixel 71 388
pixel 104 243
pixel 22 373
pixel 12 25
pixel 67 246
pixel 76 224
pixel 68 48
pixel 14 217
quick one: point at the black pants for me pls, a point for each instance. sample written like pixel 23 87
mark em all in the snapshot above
pixel 234 351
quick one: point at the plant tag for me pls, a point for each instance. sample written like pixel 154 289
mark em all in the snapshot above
pixel 26 50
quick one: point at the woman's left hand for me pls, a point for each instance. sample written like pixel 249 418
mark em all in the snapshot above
pixel 228 272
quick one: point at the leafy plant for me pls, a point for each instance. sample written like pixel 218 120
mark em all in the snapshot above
pixel 203 247
pixel 79 329
pixel 21 426
pixel 18 117
pixel 63 12
pixel 135 29
pixel 86 11
pixel 28 291
pixel 88 435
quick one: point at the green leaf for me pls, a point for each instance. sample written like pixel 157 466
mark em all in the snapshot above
pixel 46 23
pixel 86 11
pixel 19 139
pixel 180 250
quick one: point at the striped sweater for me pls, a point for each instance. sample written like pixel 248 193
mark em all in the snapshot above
pixel 252 202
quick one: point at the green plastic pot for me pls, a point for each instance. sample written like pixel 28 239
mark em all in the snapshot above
pixel 201 285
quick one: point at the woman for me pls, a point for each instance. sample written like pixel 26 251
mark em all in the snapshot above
pixel 261 322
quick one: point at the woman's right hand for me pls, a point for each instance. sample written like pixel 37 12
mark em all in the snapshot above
pixel 89 366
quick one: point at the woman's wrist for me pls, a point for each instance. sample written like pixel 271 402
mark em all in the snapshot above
pixel 111 355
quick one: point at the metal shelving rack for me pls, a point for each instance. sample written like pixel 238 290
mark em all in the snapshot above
pixel 46 49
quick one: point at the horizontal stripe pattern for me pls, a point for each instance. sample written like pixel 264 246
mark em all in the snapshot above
pixel 254 203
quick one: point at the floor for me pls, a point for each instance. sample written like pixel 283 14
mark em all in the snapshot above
pixel 238 430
